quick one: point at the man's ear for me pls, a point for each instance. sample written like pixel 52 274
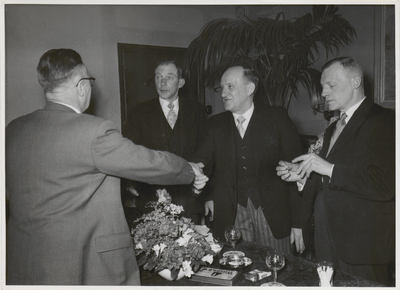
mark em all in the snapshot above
pixel 181 83
pixel 250 88
pixel 80 90
pixel 356 82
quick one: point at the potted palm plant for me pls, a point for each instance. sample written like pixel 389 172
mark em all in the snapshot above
pixel 281 51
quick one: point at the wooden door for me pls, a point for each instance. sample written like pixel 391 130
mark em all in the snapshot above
pixel 136 74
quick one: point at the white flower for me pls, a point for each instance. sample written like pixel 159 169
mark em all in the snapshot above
pixel 139 246
pixel 208 258
pixel 159 248
pixel 187 268
pixel 216 248
pixel 186 236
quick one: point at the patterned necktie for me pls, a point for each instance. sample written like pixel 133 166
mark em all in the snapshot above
pixel 338 129
pixel 240 127
pixel 171 117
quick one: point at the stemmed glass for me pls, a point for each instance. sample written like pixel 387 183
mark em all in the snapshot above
pixel 275 260
pixel 232 235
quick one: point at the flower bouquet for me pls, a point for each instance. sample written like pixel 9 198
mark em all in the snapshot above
pixel 163 240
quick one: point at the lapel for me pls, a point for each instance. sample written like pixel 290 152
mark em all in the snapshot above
pixel 226 136
pixel 355 122
pixel 261 130
pixel 158 122
pixel 186 116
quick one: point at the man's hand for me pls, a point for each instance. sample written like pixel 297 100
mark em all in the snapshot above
pixel 209 208
pixel 312 162
pixel 288 171
pixel 200 179
pixel 296 236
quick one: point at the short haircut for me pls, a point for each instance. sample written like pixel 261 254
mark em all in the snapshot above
pixel 174 62
pixel 348 63
pixel 57 66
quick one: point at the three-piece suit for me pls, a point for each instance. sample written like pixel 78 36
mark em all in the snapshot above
pixel 270 137
pixel 148 126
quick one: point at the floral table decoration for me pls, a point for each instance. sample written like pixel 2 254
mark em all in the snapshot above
pixel 165 241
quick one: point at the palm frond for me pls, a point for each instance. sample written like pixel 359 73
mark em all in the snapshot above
pixel 281 51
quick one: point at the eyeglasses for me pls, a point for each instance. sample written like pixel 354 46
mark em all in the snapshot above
pixel 89 79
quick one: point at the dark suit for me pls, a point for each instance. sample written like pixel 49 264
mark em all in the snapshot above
pixel 274 138
pixel 148 126
pixel 67 225
pixel 358 200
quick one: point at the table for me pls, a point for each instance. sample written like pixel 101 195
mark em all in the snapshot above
pixel 297 272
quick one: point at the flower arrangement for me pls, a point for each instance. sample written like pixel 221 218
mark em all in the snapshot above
pixel 166 241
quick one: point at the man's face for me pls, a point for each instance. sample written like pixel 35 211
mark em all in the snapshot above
pixel 236 95
pixel 167 82
pixel 337 88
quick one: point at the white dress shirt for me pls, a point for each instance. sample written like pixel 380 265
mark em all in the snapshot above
pixel 164 105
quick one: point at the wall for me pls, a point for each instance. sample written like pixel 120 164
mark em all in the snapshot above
pixel 94 32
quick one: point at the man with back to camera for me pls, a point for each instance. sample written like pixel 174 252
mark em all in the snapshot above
pixel 352 182
pixel 67 225
pixel 172 123
pixel 242 147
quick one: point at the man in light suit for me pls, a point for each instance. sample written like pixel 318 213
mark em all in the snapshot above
pixel 352 181
pixel 244 189
pixel 149 125
pixel 67 224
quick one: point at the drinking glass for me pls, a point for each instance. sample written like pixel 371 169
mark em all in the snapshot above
pixel 232 235
pixel 275 260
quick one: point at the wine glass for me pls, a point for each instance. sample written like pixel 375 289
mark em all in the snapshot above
pixel 232 235
pixel 275 260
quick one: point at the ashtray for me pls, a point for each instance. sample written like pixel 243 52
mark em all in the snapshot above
pixel 233 253
pixel 235 261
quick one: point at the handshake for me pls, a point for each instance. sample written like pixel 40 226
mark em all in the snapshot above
pixel 200 179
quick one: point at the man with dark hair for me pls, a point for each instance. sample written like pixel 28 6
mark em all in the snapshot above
pixel 352 182
pixel 172 123
pixel 66 224
pixel 240 152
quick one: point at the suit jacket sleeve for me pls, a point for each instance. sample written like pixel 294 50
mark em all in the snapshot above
pixel 291 147
pixel 115 155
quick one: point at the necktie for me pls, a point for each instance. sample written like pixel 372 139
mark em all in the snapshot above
pixel 240 127
pixel 338 129
pixel 171 116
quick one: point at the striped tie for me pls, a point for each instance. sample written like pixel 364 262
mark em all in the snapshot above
pixel 171 117
pixel 338 129
pixel 240 127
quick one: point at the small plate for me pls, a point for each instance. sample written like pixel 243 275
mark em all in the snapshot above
pixel 233 253
pixel 235 263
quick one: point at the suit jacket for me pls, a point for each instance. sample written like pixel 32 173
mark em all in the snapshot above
pixel 147 126
pixel 274 138
pixel 359 197
pixel 67 224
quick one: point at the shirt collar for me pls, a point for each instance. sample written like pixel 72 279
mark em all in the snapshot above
pixel 247 114
pixel 164 104
pixel 351 110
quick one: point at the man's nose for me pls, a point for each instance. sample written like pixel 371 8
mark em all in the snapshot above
pixel 223 93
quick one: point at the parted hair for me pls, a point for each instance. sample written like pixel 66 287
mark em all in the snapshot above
pixel 346 62
pixel 57 66
pixel 174 62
